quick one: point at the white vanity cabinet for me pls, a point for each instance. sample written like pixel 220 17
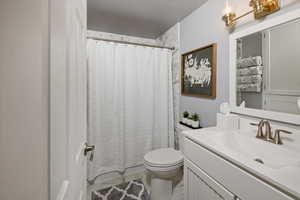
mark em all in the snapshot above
pixel 209 176
pixel 198 185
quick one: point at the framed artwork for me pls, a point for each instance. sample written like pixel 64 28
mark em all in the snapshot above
pixel 199 71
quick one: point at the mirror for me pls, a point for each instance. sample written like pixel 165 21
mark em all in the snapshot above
pixel 268 69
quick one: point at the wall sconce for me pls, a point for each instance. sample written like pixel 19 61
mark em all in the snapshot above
pixel 261 8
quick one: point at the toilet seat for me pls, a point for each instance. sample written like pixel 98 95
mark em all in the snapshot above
pixel 165 159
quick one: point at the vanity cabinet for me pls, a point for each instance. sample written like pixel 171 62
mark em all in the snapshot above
pixel 209 176
pixel 198 185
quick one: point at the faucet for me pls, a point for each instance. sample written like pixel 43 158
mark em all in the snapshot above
pixel 268 131
pixel 266 134
pixel 277 138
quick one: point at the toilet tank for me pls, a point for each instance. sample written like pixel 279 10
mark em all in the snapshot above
pixel 180 138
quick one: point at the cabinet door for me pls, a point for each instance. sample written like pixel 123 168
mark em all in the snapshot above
pixel 200 190
pixel 199 186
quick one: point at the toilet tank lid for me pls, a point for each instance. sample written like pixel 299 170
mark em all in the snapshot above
pixel 182 127
pixel 164 156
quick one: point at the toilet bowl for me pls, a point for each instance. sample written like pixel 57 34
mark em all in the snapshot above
pixel 163 165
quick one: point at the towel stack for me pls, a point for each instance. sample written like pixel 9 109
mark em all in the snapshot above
pixel 249 74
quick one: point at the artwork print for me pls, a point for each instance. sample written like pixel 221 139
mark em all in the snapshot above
pixel 199 72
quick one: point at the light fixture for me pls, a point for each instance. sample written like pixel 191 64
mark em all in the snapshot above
pixel 261 8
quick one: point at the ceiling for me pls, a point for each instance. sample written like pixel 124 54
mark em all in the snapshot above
pixel 141 18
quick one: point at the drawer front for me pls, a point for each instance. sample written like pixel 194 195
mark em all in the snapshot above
pixel 239 182
pixel 199 186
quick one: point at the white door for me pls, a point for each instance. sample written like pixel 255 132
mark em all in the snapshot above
pixel 76 97
pixel 68 94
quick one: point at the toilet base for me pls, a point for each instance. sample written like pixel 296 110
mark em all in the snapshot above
pixel 161 189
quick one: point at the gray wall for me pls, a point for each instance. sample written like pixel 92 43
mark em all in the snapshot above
pixel 23 100
pixel 205 26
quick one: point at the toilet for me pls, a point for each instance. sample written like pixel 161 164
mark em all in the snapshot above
pixel 164 165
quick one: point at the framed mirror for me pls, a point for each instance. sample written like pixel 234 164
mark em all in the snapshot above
pixel 265 69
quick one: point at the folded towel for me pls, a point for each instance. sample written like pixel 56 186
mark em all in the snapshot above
pixel 250 61
pixel 249 87
pixel 249 79
pixel 255 70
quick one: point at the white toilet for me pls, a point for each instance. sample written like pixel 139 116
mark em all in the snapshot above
pixel 163 165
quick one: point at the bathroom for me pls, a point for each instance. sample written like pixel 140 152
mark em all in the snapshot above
pixel 113 100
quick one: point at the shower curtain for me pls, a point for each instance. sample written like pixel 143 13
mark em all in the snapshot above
pixel 130 99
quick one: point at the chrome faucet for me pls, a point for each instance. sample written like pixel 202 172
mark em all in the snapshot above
pixel 266 134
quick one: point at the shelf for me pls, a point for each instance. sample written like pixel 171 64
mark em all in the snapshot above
pixel 189 126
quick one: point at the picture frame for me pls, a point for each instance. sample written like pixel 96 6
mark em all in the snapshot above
pixel 199 72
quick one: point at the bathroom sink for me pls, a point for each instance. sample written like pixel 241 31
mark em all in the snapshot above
pixel 271 163
pixel 254 150
pixel 270 155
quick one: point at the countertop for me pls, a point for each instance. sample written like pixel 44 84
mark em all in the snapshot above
pixel 225 144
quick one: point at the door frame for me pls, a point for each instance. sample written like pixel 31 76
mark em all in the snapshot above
pixel 59 182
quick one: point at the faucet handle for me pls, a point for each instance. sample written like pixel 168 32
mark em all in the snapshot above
pixel 277 138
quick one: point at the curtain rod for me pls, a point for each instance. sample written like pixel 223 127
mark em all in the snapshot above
pixel 132 43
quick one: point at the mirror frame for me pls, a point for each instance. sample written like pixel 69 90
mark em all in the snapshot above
pixel 266 24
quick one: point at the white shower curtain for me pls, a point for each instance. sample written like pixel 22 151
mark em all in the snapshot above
pixel 130 104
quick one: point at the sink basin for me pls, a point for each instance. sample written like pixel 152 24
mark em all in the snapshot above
pixel 272 155
pixel 259 151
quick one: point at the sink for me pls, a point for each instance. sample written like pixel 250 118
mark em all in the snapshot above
pixel 271 163
pixel 271 155
pixel 255 150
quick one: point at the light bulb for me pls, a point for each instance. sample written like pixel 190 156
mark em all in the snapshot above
pixel 227 8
